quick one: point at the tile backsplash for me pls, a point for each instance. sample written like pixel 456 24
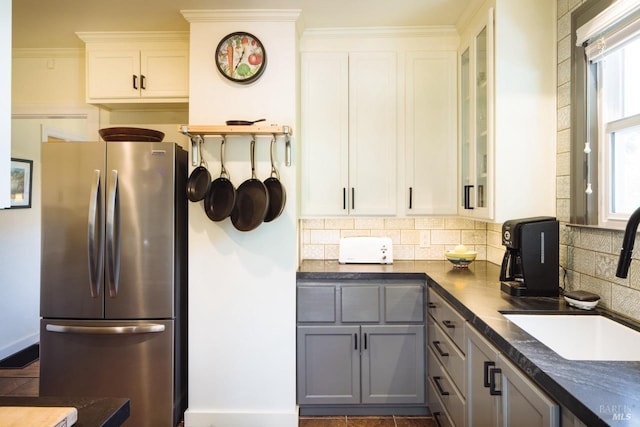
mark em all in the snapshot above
pixel 589 255
pixel 424 238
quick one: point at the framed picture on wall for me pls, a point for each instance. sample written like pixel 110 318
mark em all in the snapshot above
pixel 21 174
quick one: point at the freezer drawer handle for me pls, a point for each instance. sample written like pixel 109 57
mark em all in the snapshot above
pixel 107 330
pixel 94 236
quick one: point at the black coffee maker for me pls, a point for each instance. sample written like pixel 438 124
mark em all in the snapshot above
pixel 530 263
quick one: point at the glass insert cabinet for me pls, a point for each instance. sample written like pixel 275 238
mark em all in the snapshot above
pixel 475 122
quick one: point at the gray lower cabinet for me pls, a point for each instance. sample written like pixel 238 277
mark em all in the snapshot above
pixel 328 364
pixel 499 394
pixel 483 405
pixel 359 343
pixel 374 364
pixel 392 364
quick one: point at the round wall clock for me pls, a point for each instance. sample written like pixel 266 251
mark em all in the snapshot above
pixel 240 57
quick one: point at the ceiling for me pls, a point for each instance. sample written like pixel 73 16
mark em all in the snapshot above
pixel 53 23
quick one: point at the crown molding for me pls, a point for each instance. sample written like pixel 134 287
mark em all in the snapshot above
pixel 133 36
pixel 246 15
pixel 382 32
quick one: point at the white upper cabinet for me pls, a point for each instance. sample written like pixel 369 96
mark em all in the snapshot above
pixel 325 133
pixel 378 122
pixel 349 116
pixel 143 68
pixel 430 126
pixel 507 107
pixel 372 133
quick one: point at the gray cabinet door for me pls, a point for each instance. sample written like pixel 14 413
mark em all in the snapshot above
pixel 523 404
pixel 393 364
pixel 328 364
pixel 483 407
pixel 361 303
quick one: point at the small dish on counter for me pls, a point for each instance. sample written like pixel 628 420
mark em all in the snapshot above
pixel 460 257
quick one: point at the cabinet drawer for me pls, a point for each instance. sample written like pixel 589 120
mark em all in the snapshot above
pixel 360 303
pixel 452 360
pixel 436 407
pixel 316 303
pixel 449 395
pixel 403 303
pixel 446 316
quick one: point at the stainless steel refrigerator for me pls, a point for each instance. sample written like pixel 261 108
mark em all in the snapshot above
pixel 114 275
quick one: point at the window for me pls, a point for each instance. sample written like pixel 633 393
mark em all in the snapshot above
pixel 607 103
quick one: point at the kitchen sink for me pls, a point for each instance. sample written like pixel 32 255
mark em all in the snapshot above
pixel 581 337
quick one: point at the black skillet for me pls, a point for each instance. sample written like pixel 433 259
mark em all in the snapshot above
pixel 221 195
pixel 277 193
pixel 243 122
pixel 252 200
pixel 199 180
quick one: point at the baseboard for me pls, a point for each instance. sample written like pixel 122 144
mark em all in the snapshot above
pixel 22 358
pixel 16 346
pixel 240 419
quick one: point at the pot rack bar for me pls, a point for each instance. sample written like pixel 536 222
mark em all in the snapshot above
pixel 196 133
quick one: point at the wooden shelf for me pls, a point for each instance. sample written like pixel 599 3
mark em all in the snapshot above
pixel 197 133
pixel 206 130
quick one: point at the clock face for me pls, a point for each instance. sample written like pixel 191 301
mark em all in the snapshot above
pixel 240 57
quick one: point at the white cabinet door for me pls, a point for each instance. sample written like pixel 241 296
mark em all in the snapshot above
pixel 372 133
pixel 164 73
pixel 507 135
pixel 349 133
pixel 325 133
pixel 113 74
pixel 120 75
pixel 430 123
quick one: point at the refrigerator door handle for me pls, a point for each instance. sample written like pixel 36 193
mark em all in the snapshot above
pixel 94 236
pixel 145 328
pixel 113 235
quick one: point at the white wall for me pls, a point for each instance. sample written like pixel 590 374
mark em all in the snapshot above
pixel 242 355
pixel 44 84
pixel 5 101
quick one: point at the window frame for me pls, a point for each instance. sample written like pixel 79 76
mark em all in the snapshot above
pixel 584 208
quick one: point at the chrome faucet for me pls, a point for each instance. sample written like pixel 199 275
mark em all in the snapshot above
pixel 627 244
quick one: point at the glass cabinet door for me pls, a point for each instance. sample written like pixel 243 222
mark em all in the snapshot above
pixel 476 130
pixel 465 130
pixel 481 130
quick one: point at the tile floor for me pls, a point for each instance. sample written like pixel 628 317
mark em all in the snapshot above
pixel 394 421
pixel 24 382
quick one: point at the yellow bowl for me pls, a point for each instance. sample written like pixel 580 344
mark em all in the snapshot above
pixel 460 259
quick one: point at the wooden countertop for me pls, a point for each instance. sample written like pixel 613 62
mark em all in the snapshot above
pixel 92 411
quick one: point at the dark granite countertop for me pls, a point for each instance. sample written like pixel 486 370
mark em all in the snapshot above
pixel 92 412
pixel 597 392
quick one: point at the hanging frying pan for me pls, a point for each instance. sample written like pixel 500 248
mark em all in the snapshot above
pixel 243 122
pixel 200 178
pixel 252 200
pixel 277 193
pixel 221 195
